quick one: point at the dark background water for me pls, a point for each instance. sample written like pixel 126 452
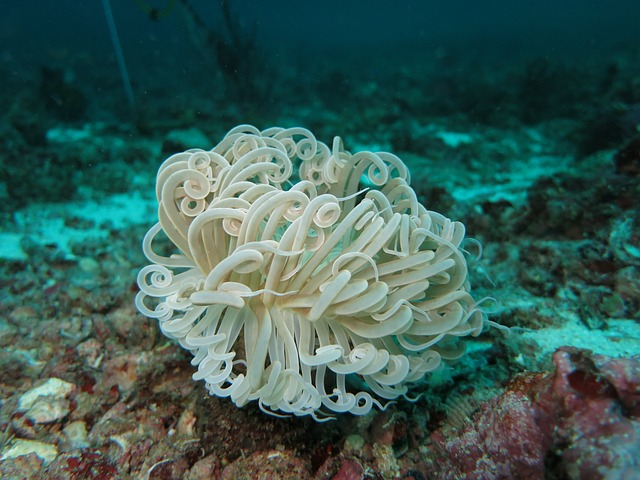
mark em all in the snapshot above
pixel 274 61
pixel 37 31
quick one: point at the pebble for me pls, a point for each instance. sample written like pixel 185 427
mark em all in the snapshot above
pixel 48 410
pixel 76 434
pixel 89 265
pixel 20 447
pixel 353 443
pixel 51 390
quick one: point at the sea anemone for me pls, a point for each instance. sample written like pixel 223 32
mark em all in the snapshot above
pixel 308 278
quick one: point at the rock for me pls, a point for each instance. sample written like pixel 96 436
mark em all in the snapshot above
pixel 341 467
pixel 594 403
pixel 26 467
pixel 20 447
pixel 52 390
pixel 186 424
pixel 349 470
pixel 581 421
pixel 92 351
pixel 89 265
pixel 390 429
pixel 204 469
pixel 76 434
pixel 353 443
pixel 121 372
pixel 82 464
pixel 269 464
pixel 47 409
pixel 627 158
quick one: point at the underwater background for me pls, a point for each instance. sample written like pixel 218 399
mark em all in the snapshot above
pixel 520 120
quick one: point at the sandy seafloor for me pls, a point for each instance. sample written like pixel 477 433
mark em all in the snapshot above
pixel 89 388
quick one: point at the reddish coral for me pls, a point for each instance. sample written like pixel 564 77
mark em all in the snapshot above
pixel 341 467
pixel 85 465
pixel 503 441
pixel 581 421
pixel 349 470
pixel 624 374
pixel 594 404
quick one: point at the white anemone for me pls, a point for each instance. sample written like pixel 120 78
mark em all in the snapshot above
pixel 306 278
